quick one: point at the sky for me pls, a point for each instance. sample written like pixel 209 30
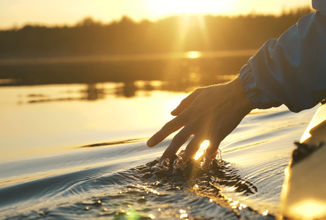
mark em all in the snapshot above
pixel 15 13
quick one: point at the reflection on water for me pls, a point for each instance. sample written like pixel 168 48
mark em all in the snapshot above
pixel 194 54
pixel 190 69
pixel 38 120
pixel 109 177
pixel 180 173
pixel 98 91
pixel 72 142
pixel 178 190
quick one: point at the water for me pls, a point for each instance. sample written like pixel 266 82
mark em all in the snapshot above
pixel 78 151
pixel 73 135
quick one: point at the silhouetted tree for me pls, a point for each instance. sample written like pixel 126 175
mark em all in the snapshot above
pixel 90 37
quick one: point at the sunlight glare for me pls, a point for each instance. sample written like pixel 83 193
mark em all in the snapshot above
pixel 309 209
pixel 317 119
pixel 192 6
pixel 204 145
pixel 193 54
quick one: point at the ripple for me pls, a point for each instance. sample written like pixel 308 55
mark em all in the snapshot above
pixel 172 189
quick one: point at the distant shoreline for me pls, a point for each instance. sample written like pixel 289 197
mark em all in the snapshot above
pixel 127 57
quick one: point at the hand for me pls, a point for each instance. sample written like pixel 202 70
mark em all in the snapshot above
pixel 209 113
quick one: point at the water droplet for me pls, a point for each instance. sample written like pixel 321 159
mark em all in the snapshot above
pixel 264 213
pixel 182 211
pixel 151 216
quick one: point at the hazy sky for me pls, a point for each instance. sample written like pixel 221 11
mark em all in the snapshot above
pixel 19 12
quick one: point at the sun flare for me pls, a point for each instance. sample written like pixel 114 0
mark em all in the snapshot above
pixel 193 54
pixel 192 6
pixel 203 146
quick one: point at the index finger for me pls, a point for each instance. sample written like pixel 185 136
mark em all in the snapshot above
pixel 170 127
pixel 185 103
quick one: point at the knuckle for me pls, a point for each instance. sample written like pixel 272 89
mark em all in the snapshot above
pixel 189 112
pixel 192 111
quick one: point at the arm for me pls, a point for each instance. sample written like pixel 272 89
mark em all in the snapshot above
pixel 290 70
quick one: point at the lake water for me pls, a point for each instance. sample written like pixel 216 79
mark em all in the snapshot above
pixel 64 155
pixel 78 150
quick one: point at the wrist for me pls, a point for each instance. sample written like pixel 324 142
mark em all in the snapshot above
pixel 239 95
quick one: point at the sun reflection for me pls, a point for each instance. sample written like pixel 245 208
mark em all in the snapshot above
pixel 183 214
pixel 193 54
pixel 230 189
pixel 204 145
pixel 195 187
pixel 234 204
pixel 185 25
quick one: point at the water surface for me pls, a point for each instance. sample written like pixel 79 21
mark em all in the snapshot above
pixel 69 153
pixel 73 135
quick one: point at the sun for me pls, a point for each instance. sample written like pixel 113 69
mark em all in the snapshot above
pixel 168 7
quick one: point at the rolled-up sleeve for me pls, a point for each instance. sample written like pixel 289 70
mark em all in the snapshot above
pixel 290 70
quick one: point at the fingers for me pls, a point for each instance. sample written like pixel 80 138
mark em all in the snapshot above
pixel 170 127
pixel 185 103
pixel 192 147
pixel 178 140
pixel 211 152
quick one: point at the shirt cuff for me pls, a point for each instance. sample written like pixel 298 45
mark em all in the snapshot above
pixel 250 86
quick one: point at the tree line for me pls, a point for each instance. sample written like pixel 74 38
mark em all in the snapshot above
pixel 171 34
